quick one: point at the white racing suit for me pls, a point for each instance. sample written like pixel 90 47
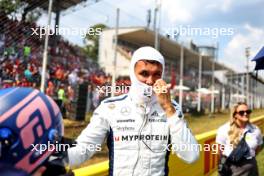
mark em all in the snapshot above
pixel 137 129
pixel 137 137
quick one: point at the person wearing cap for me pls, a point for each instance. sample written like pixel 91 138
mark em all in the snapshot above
pixel 229 136
pixel 140 125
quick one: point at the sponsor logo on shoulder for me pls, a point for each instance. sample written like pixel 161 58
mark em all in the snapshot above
pixel 111 106
pixel 155 117
pixel 125 111
pixel 125 128
pixel 125 120
pixel 158 120
pixel 155 114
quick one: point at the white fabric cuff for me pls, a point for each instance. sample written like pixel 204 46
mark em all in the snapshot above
pixel 175 123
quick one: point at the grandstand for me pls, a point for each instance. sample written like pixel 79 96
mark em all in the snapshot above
pixel 129 39
pixel 21 61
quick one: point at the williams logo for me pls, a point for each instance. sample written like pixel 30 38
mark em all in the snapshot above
pixel 155 114
pixel 125 111
pixel 154 118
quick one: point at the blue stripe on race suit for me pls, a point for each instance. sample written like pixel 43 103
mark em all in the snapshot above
pixel 166 167
pixel 110 145
pixel 113 100
pixel 178 109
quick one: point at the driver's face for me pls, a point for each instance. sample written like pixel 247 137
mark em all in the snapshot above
pixel 147 72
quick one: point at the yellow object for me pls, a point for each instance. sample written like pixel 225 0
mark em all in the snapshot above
pixel 94 170
pixel 61 94
pixel 206 165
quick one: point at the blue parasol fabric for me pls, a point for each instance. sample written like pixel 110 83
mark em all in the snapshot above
pixel 259 58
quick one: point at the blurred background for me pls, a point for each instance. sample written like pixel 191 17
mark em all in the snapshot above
pixel 208 49
pixel 73 49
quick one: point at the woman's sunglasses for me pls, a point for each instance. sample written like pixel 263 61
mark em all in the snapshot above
pixel 243 112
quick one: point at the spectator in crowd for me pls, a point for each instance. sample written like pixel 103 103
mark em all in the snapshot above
pixel 27 51
pixel 70 93
pixel 50 90
pixel 70 99
pixel 61 97
pixel 21 60
pixel 73 78
pixel 59 74
pixel 231 136
pixel 28 73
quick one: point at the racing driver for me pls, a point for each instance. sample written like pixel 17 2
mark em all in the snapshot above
pixel 138 126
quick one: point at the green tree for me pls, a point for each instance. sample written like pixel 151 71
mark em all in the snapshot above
pixel 29 12
pixel 9 6
pixel 33 15
pixel 92 41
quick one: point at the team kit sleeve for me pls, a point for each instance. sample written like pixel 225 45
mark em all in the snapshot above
pixel 220 136
pixel 90 139
pixel 259 137
pixel 184 144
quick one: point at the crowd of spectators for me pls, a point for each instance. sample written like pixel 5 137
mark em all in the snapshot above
pixel 21 56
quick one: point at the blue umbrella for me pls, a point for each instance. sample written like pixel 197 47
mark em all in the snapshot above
pixel 259 58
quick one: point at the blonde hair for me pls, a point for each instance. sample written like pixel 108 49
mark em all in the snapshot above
pixel 234 132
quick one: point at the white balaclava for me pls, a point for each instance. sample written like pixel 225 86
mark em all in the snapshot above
pixel 140 92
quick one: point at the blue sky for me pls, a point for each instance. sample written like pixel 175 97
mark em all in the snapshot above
pixel 243 16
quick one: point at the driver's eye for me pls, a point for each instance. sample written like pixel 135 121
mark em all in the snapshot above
pixel 157 75
pixel 144 73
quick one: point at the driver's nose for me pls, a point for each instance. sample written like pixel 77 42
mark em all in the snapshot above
pixel 150 81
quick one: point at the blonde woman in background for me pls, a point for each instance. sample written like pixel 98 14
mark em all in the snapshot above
pixel 229 136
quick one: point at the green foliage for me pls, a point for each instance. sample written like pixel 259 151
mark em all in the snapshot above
pixel 15 7
pixel 9 6
pixel 34 15
pixel 260 159
pixel 92 41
